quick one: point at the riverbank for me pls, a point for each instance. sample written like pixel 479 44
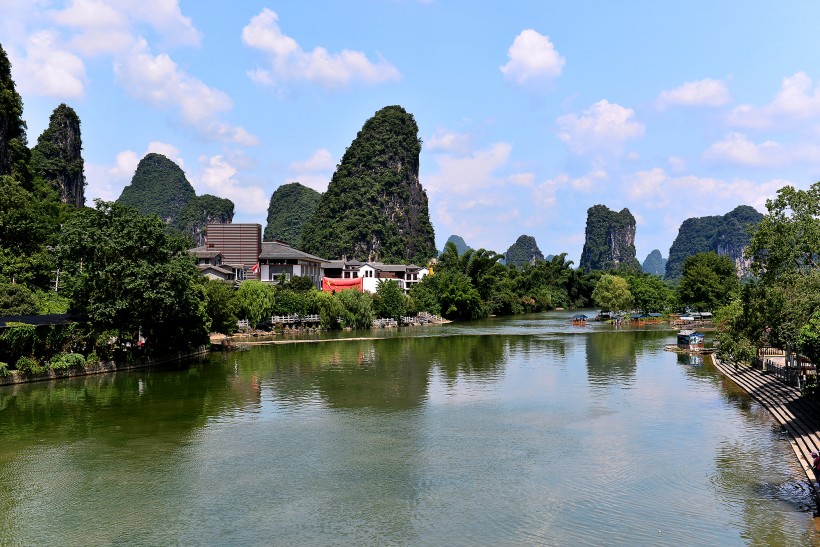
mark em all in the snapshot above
pixel 797 415
pixel 104 367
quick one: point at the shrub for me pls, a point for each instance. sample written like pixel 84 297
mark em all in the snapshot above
pixel 92 360
pixel 29 366
pixel 4 370
pixel 67 361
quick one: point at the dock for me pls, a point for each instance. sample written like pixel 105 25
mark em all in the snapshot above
pixel 798 416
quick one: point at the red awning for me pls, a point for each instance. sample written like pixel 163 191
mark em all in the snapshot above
pixel 332 284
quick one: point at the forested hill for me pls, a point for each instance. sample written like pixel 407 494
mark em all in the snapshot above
pixel 524 251
pixel 57 160
pixel 458 241
pixel 610 240
pixel 159 187
pixel 655 264
pixel 726 235
pixel 375 207
pixel 291 206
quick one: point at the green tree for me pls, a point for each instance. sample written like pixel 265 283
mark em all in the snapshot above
pixel 650 293
pixel 14 152
pixel 788 238
pixel 125 274
pixel 254 301
pixel 708 282
pixel 221 305
pixel 612 293
pixel 390 300
pixel 16 300
pixel 357 308
pixel 458 298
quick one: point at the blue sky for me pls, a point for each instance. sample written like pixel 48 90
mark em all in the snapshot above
pixel 530 112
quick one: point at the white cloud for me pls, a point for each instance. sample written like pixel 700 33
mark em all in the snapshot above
pixel 533 59
pixel 798 100
pixel 604 126
pixel 706 92
pixel 168 150
pixel 522 179
pixel 737 149
pixel 289 62
pixel 587 182
pixel 218 177
pixel 448 141
pixel 48 68
pixel 321 160
pixel 124 165
pixel 698 196
pixel 467 173
pixel 157 80
pixel 546 194
pixel 676 164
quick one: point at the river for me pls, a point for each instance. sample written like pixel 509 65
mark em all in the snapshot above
pixel 510 431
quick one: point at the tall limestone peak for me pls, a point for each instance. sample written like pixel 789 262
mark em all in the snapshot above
pixel 726 235
pixel 14 152
pixel 524 251
pixel 200 211
pixel 610 240
pixel 159 187
pixel 57 157
pixel 291 206
pixel 458 241
pixel 375 207
pixel 655 264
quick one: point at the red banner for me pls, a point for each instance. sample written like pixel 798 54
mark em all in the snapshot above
pixel 331 284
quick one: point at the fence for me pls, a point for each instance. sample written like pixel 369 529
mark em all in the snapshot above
pixel 793 376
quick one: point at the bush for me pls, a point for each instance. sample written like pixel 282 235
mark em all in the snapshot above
pixel 67 361
pixel 92 360
pixel 4 370
pixel 29 366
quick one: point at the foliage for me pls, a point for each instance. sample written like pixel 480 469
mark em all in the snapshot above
pixel 291 206
pixel 655 264
pixel 254 301
pixel 16 300
pixel 787 240
pixel 67 361
pixel 808 338
pixel 357 308
pixel 221 306
pixel 299 283
pixel 727 234
pixel 458 298
pixel 57 161
pixel 4 370
pixel 612 293
pixel 200 211
pixel 458 241
pixel 524 251
pixel 288 301
pixel 736 342
pixel 29 366
pixel 709 281
pixel 650 293
pixel 125 274
pixel 18 339
pixel 14 152
pixel 609 240
pixel 424 296
pixel 390 300
pixel 375 207
pixel 331 311
pixel 51 302
pixel 158 187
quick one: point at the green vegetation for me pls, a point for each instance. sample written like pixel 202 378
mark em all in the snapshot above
pixel 14 153
pixel 726 235
pixel 779 307
pixel 655 264
pixel 254 301
pixel 458 241
pixel 390 300
pixel 16 300
pixel 709 281
pixel 127 276
pixel 375 207
pixel 524 251
pixel 291 207
pixel 610 240
pixel 57 161
pixel 612 293
pixel 202 210
pixel 158 187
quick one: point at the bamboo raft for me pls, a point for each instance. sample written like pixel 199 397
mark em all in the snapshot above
pixel 797 415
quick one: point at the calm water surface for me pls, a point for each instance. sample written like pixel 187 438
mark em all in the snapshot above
pixel 522 431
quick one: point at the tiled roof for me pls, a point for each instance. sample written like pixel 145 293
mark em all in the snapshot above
pixel 203 252
pixel 272 249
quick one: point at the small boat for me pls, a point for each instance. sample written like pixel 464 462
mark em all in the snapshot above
pixel 579 319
